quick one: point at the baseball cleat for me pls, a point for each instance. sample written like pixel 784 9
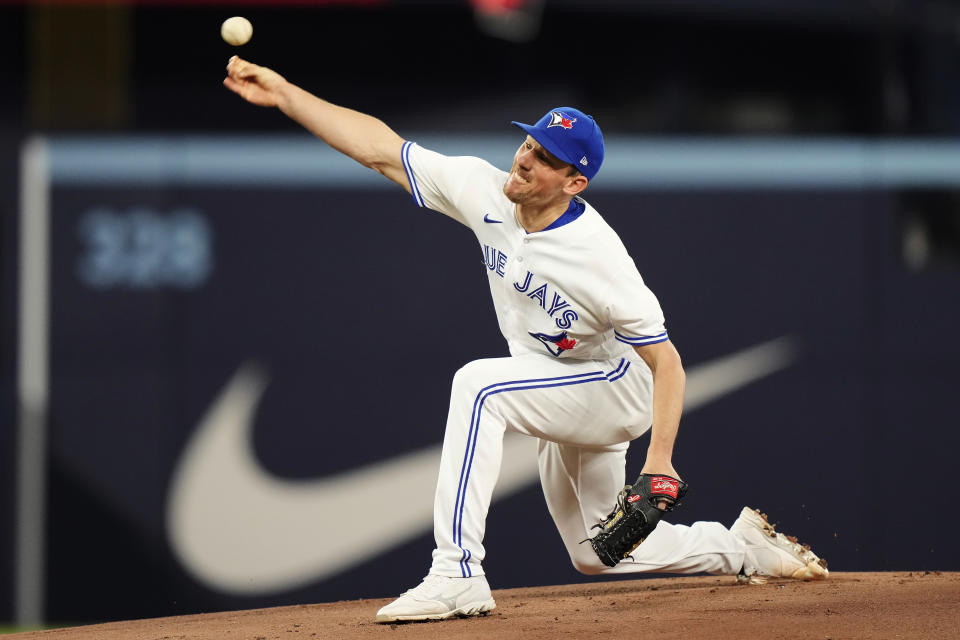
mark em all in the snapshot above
pixel 439 598
pixel 772 554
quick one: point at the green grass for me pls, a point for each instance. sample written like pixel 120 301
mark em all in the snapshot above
pixel 5 628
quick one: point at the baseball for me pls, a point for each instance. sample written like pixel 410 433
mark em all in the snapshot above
pixel 236 30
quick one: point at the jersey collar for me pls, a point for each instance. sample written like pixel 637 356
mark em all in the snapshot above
pixel 574 211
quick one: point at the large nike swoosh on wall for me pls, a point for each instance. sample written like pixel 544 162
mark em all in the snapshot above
pixel 242 530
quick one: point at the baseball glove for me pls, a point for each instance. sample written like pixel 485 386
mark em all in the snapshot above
pixel 635 516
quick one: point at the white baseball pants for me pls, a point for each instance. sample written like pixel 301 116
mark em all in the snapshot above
pixel 585 413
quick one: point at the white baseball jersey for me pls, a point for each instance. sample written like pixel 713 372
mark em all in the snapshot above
pixel 572 286
pixel 571 304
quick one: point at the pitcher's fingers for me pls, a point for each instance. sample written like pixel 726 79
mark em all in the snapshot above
pixel 239 68
pixel 233 85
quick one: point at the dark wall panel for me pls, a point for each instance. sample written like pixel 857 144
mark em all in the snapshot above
pixel 361 307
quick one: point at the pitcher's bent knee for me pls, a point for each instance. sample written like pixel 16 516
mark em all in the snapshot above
pixel 585 560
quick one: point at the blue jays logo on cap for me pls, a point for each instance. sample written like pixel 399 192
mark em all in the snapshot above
pixel 570 135
pixel 560 120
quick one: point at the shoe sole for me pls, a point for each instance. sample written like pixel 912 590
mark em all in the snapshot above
pixel 466 611
pixel 815 568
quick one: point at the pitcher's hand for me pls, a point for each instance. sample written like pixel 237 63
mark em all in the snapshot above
pixel 255 84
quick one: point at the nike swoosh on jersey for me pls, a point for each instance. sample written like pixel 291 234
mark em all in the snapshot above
pixel 242 530
pixel 487 218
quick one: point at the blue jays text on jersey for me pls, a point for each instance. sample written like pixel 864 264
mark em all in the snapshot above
pixel 496 261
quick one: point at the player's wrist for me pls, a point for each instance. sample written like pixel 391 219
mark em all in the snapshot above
pixel 284 94
pixel 659 463
pixel 660 456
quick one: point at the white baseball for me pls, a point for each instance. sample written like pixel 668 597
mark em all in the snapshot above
pixel 236 30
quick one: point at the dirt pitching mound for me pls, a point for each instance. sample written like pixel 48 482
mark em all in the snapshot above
pixel 848 605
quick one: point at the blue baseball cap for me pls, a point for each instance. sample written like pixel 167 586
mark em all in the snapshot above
pixel 570 135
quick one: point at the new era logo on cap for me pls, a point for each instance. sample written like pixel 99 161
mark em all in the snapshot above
pixel 570 135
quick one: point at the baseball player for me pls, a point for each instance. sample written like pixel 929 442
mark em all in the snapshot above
pixel 590 368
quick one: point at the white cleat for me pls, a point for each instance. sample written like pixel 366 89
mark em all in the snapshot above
pixel 772 554
pixel 439 598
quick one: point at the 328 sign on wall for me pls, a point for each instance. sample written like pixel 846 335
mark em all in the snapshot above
pixel 144 248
